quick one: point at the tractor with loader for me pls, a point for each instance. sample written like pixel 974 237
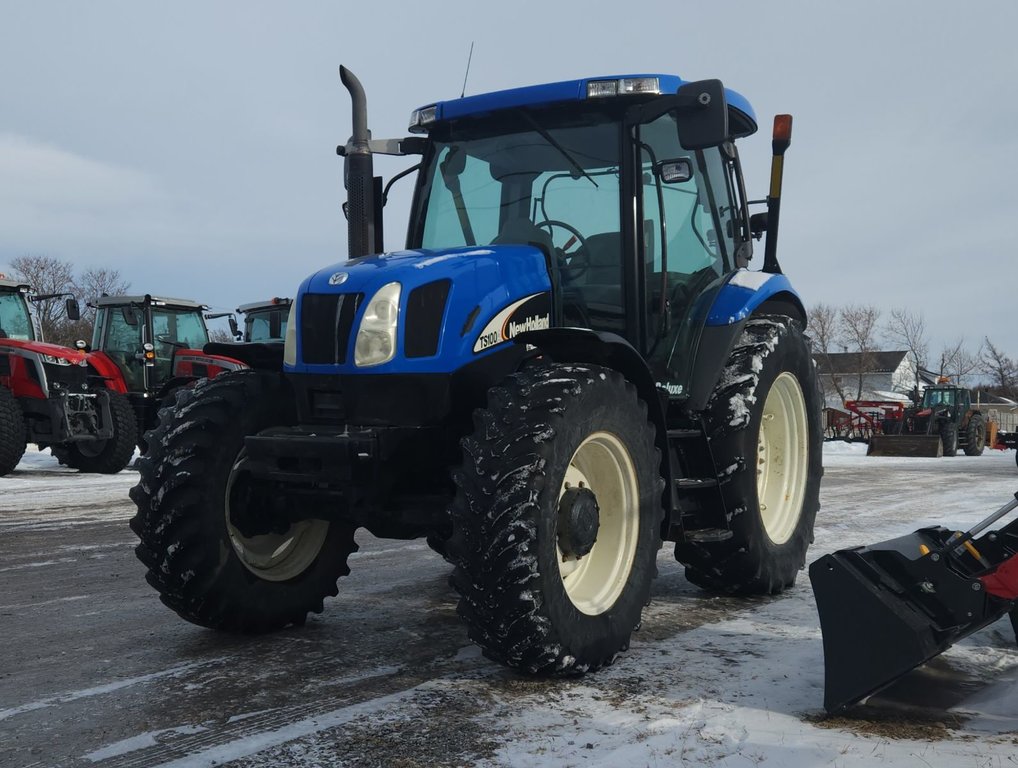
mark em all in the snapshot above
pixel 61 398
pixel 938 425
pixel 569 363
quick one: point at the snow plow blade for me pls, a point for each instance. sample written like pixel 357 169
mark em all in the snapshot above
pixel 889 607
pixel 928 446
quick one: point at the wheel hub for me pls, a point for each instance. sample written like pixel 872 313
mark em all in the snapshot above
pixel 578 522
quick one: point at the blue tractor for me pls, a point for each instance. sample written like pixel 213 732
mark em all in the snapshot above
pixel 569 363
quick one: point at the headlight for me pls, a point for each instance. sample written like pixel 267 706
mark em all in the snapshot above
pixel 55 360
pixel 290 343
pixel 376 338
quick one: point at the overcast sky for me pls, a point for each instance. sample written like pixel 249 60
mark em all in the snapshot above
pixel 191 144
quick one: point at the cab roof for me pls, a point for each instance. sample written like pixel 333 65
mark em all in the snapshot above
pixel 12 284
pixel 116 301
pixel 266 304
pixel 742 118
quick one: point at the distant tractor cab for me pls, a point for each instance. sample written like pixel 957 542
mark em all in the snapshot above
pixel 156 345
pixel 569 362
pixel 263 320
pixel 57 397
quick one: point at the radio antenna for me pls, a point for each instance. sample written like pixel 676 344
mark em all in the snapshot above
pixel 467 74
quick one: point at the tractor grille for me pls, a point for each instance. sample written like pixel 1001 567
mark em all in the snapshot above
pixel 326 320
pixel 70 377
pixel 425 308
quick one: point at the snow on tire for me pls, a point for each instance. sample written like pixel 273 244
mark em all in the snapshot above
pixel 766 432
pixel 556 519
pixel 12 432
pixel 202 565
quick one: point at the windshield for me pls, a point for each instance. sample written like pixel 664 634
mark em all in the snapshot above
pixel 934 397
pixel 15 322
pixel 524 178
pixel 258 324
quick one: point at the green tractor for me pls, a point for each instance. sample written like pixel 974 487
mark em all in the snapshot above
pixel 569 363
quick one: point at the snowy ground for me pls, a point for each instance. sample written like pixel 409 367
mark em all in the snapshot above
pixel 95 671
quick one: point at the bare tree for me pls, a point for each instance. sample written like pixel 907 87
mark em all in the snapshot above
pixel 858 333
pixel 823 322
pixel 99 281
pixel 1002 370
pixel 907 330
pixel 957 363
pixel 47 275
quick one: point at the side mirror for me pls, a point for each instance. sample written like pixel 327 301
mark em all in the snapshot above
pixel 674 171
pixel 758 224
pixel 73 310
pixel 703 119
pixel 129 314
pixel 275 326
pixel 234 328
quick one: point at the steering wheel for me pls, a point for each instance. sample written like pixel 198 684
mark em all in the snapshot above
pixel 169 342
pixel 573 264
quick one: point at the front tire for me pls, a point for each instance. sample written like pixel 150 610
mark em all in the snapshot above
pixel 557 519
pixel 201 563
pixel 766 431
pixel 12 432
pixel 109 456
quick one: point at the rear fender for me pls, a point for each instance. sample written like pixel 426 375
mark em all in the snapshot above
pixel 746 294
pixel 261 355
pixel 195 363
pixel 579 345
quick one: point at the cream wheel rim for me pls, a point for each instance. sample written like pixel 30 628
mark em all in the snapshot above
pixel 782 458
pixel 276 556
pixel 593 582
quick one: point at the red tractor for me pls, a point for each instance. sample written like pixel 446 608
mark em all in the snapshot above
pixel 156 347
pixel 55 396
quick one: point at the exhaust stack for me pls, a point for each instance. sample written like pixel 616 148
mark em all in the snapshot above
pixel 361 210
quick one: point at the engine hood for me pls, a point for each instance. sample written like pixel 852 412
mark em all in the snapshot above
pixel 410 268
pixel 482 282
pixel 72 356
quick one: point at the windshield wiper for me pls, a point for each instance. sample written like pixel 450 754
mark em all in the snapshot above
pixel 562 150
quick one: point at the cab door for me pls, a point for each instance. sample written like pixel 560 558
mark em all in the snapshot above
pixel 687 216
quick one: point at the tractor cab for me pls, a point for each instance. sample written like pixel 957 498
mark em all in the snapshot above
pixel 945 397
pixel 16 318
pixel 634 222
pixel 263 320
pixel 143 335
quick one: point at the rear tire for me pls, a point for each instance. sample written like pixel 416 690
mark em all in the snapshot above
pixel 557 519
pixel 106 457
pixel 975 436
pixel 203 567
pixel 766 431
pixel 12 432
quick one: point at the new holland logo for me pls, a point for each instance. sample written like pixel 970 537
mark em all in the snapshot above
pixel 532 323
pixel 531 313
pixel 338 278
